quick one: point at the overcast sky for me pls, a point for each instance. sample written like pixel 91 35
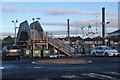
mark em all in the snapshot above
pixel 55 14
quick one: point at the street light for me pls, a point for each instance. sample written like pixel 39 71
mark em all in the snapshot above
pixel 15 28
pixel 82 31
pixel 68 31
pixel 104 31
pixel 107 38
pixel 82 35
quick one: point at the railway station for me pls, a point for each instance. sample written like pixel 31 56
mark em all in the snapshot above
pixel 33 37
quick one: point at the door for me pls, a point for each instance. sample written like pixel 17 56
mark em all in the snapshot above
pixel 99 51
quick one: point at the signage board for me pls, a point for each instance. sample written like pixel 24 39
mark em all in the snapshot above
pixel 93 42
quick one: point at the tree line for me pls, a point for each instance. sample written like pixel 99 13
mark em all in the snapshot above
pixel 7 41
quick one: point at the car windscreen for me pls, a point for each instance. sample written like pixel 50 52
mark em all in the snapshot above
pixel 108 48
pixel 13 47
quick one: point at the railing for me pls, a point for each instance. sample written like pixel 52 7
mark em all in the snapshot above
pixel 60 45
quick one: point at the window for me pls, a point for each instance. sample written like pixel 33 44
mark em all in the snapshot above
pixel 100 48
pixel 12 47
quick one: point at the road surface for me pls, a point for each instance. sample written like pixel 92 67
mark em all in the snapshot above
pixel 98 68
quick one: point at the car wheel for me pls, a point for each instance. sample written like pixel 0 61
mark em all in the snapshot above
pixel 106 54
pixel 93 54
pixel 113 54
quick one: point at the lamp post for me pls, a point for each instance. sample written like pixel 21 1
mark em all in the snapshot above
pixel 15 28
pixel 96 25
pixel 82 31
pixel 105 32
pixel 107 37
pixel 82 28
pixel 68 31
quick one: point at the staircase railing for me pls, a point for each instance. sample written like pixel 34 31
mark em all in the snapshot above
pixel 60 45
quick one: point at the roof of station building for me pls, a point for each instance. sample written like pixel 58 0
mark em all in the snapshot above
pixel 36 25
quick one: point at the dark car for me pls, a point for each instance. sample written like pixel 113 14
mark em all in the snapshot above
pixel 11 51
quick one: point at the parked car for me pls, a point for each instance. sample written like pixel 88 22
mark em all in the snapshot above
pixel 104 51
pixel 11 51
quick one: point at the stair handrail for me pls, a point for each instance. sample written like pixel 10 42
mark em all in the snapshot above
pixel 59 43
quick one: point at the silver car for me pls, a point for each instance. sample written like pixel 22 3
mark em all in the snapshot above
pixel 104 51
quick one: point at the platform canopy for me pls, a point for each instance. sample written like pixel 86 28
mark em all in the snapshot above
pixel 115 33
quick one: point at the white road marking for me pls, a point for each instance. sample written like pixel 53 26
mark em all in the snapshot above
pixel 70 76
pixel 1 67
pixel 36 67
pixel 113 73
pixel 99 76
pixel 33 62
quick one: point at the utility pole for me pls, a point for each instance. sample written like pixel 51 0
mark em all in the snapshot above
pixel 96 25
pixel 15 28
pixel 68 26
pixel 103 25
pixel 68 30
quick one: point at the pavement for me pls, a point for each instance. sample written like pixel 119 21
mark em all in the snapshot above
pixel 62 61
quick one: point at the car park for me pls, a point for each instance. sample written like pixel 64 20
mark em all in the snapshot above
pixel 104 51
pixel 10 51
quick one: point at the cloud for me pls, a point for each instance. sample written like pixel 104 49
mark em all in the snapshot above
pixel 11 9
pixel 72 23
pixel 113 25
pixel 80 23
pixel 62 12
pixel 54 23
pixel 73 12
pixel 73 32
pixel 5 34
pixel 53 12
pixel 113 21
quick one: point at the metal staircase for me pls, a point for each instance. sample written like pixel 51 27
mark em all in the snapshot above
pixel 58 44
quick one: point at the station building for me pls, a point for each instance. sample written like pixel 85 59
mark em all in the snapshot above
pixel 33 37
pixel 28 35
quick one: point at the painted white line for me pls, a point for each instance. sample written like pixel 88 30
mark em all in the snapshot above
pixel 36 67
pixel 33 62
pixel 70 76
pixel 113 73
pixel 99 76
pixel 1 67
